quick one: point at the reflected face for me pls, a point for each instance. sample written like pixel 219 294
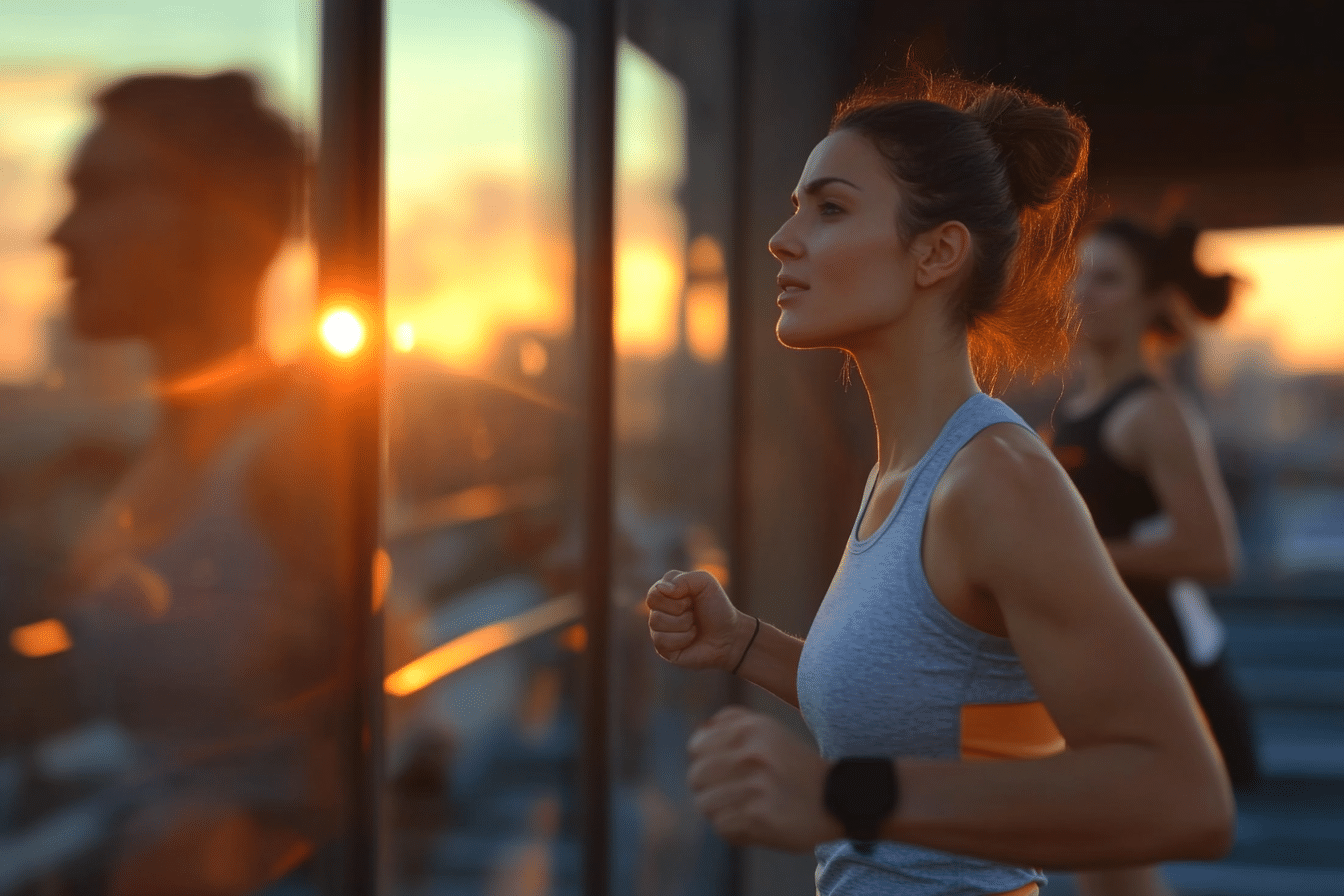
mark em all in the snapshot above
pixel 1113 305
pixel 128 239
pixel 845 274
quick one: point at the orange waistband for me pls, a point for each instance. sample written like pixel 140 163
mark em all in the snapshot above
pixel 1008 731
pixel 1024 890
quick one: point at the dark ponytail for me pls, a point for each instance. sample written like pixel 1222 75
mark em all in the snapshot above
pixel 1013 170
pixel 1169 260
pixel 1209 294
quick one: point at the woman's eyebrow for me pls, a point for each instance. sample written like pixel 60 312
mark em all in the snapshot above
pixel 813 187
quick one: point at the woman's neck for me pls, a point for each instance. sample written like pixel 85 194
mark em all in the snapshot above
pixel 201 403
pixel 916 379
pixel 1104 369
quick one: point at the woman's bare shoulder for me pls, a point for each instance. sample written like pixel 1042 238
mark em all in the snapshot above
pixel 1009 501
pixel 1002 460
pixel 1153 423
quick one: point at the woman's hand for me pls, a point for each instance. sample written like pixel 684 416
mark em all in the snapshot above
pixel 758 784
pixel 693 624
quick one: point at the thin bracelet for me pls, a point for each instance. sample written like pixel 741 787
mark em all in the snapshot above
pixel 756 631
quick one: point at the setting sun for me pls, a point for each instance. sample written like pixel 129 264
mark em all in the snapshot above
pixel 343 331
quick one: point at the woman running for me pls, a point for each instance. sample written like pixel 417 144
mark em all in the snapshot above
pixel 1142 460
pixel 975 614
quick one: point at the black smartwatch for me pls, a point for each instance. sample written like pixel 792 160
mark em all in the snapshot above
pixel 861 793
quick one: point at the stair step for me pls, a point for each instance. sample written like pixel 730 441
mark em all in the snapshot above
pixel 1229 879
pixel 1313 755
pixel 1277 686
pixel 1287 646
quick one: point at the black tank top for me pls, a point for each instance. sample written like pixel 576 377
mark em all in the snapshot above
pixel 1116 496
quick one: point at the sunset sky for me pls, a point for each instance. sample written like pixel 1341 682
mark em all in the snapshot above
pixel 1290 296
pixel 477 161
pixel 477 178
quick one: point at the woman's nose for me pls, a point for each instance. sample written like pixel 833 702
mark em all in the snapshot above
pixel 783 245
pixel 60 234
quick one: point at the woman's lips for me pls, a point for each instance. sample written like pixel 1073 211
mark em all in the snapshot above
pixel 789 288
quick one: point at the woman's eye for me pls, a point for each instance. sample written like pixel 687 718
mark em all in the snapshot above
pixel 830 208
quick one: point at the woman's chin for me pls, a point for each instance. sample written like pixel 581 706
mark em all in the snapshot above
pixel 800 338
pixel 791 334
pixel 791 340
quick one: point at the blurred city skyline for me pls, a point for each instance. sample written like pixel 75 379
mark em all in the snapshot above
pixel 477 167
pixel 477 179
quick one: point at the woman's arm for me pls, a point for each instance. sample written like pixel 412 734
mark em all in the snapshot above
pixel 1170 447
pixel 772 662
pixel 693 624
pixel 1139 781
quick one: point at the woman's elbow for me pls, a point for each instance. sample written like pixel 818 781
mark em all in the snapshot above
pixel 1212 829
pixel 1221 564
pixel 1204 823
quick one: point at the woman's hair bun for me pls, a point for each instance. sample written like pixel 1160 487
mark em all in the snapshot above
pixel 1209 294
pixel 232 86
pixel 1044 148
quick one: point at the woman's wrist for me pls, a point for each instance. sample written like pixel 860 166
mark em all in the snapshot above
pixel 755 629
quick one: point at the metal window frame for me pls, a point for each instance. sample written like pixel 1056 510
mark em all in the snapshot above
pixel 348 225
pixel 593 98
pixel 349 222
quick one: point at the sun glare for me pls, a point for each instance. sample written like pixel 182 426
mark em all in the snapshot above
pixel 706 300
pixel 532 357
pixel 475 645
pixel 40 639
pixel 403 339
pixel 648 281
pixel 343 331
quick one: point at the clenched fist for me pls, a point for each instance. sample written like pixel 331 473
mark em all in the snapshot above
pixel 693 624
pixel 758 784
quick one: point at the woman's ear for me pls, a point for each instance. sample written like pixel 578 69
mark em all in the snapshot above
pixel 941 252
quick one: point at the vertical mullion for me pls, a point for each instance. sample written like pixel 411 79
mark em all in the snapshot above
pixel 348 224
pixel 594 99
pixel 739 353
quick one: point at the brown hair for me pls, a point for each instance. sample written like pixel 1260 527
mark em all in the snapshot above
pixel 1169 260
pixel 1013 170
pixel 221 146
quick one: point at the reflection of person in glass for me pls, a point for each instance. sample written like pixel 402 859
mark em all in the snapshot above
pixel 202 617
pixel 1144 464
pixel 975 614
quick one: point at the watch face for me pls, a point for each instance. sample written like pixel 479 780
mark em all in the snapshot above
pixel 861 788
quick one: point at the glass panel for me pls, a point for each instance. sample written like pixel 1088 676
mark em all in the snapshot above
pixel 483 639
pixel 672 478
pixel 169 526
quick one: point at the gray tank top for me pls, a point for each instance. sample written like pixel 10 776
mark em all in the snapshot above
pixel 887 670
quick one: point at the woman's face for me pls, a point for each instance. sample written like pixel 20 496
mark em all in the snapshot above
pixel 1114 307
pixel 845 274
pixel 129 239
